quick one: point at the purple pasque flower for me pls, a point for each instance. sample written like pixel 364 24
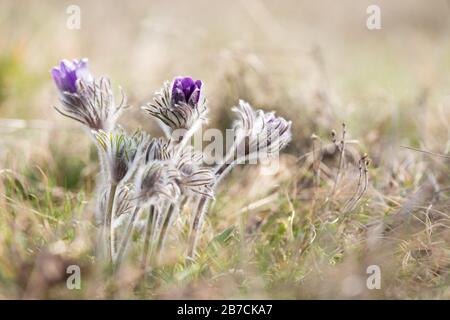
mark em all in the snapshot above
pixel 179 104
pixel 69 72
pixel 186 91
pixel 85 99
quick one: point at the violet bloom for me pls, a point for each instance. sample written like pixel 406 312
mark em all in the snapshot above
pixel 85 99
pixel 186 91
pixel 179 105
pixel 69 72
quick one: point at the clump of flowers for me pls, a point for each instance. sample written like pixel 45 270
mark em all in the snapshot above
pixel 179 105
pixel 147 183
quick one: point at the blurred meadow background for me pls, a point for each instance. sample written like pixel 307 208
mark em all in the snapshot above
pixel 314 63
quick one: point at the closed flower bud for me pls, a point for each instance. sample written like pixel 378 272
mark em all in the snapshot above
pixel 156 181
pixel 186 91
pixel 194 177
pixel 179 105
pixel 121 153
pixel 158 149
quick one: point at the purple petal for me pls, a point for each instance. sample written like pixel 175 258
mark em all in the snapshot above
pixel 186 90
pixel 187 83
pixel 69 72
pixel 176 85
pixel 56 74
pixel 178 96
pixel 195 96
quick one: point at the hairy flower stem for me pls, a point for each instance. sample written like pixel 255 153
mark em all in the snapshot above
pixel 197 225
pixel 148 233
pixel 168 220
pixel 204 201
pixel 126 238
pixel 158 231
pixel 175 209
pixel 108 225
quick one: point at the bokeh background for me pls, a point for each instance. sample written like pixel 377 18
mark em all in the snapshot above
pixel 315 63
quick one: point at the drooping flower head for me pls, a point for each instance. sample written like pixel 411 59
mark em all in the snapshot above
pixel 179 105
pixel 156 181
pixel 261 132
pixel 192 175
pixel 84 99
pixel 69 73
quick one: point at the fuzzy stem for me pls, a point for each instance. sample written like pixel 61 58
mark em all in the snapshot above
pixel 197 225
pixel 126 238
pixel 220 172
pixel 159 230
pixel 108 226
pixel 148 233
pixel 203 203
pixel 229 161
pixel 167 221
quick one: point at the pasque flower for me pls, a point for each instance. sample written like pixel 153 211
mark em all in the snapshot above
pixel 84 98
pixel 186 91
pixel 69 73
pixel 258 135
pixel 155 181
pixel 192 176
pixel 179 105
pixel 261 133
